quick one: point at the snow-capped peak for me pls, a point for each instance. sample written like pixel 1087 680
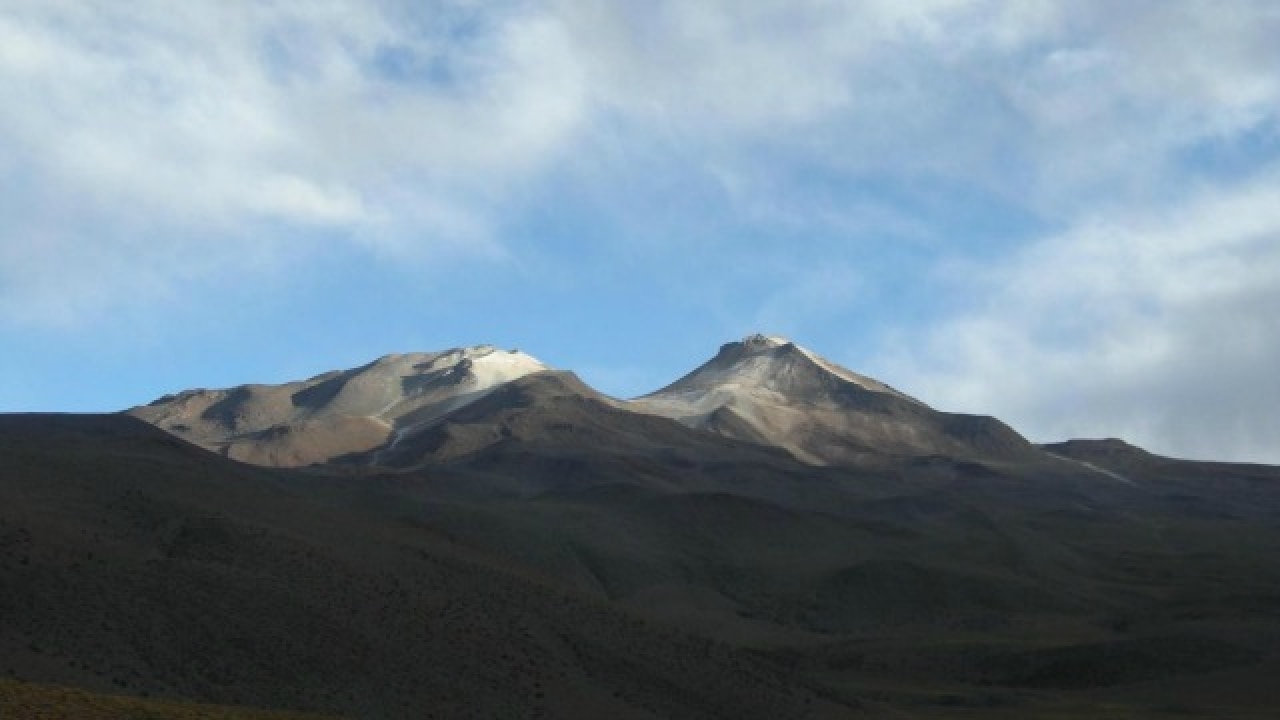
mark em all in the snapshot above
pixel 774 362
pixel 342 411
pixel 766 389
pixel 759 341
pixel 487 364
pixel 761 364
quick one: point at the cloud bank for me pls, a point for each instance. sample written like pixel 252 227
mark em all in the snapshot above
pixel 1163 329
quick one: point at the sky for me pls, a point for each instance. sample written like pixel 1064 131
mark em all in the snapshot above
pixel 1064 214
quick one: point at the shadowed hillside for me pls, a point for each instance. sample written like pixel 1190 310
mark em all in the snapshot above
pixel 131 562
pixel 542 574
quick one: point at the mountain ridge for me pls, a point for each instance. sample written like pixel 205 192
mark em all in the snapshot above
pixel 763 389
pixel 510 539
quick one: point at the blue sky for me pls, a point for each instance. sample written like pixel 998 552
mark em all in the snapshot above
pixel 1064 214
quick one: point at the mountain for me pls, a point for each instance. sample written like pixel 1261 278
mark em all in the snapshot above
pixel 552 414
pixel 771 391
pixel 405 409
pixel 770 536
pixel 338 413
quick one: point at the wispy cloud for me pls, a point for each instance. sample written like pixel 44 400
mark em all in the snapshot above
pixel 169 141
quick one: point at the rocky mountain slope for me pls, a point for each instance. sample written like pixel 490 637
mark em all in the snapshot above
pixel 403 409
pixel 771 391
pixel 337 413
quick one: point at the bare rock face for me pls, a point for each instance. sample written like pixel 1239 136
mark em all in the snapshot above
pixel 768 390
pixel 338 413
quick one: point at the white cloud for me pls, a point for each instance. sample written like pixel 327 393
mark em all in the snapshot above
pixel 1161 326
pixel 141 140
pixel 302 200
pixel 1055 106
pixel 140 119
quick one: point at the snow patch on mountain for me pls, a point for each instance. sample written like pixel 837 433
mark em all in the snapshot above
pixel 338 412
